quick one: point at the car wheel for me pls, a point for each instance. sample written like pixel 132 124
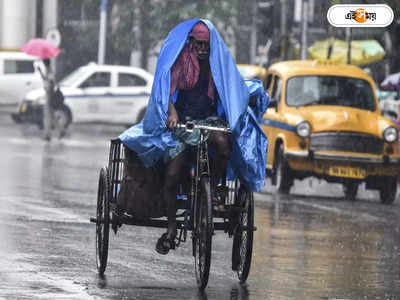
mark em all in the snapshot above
pixel 282 173
pixel 16 118
pixel 350 190
pixel 387 191
pixel 62 117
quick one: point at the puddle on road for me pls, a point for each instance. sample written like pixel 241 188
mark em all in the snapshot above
pixel 316 254
pixel 28 281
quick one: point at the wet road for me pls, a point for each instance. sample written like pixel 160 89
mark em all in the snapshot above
pixel 311 244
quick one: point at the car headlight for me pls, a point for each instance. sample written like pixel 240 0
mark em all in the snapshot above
pixel 390 134
pixel 303 129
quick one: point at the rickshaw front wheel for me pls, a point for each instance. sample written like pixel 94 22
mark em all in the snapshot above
pixel 203 231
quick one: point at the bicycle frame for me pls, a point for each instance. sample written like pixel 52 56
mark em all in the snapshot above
pixel 202 168
pixel 202 165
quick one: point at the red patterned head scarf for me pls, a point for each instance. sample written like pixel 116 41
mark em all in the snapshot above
pixel 200 32
pixel 185 71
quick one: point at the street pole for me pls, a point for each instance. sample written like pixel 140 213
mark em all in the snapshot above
pixel 253 34
pixel 348 40
pixel 283 30
pixel 389 52
pixel 102 32
pixel 304 28
pixel 50 21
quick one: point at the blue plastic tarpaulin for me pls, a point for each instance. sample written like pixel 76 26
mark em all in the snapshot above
pixel 150 138
pixel 256 90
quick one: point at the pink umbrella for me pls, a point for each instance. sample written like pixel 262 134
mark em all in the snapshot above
pixel 41 48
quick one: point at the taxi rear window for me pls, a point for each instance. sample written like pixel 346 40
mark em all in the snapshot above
pixel 18 66
pixel 330 90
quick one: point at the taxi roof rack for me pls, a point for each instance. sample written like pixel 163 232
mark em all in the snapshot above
pixel 325 62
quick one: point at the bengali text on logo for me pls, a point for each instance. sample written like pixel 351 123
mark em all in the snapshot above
pixel 360 15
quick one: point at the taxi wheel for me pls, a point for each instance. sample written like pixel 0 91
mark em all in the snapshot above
pixel 387 192
pixel 62 116
pixel 282 170
pixel 350 190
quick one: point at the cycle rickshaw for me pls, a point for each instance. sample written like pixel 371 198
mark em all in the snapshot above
pixel 195 211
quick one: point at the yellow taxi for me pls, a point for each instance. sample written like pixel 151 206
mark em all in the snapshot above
pixel 323 120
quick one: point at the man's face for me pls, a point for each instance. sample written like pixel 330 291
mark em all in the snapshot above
pixel 202 48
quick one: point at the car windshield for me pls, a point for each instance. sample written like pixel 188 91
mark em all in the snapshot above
pixel 330 90
pixel 74 77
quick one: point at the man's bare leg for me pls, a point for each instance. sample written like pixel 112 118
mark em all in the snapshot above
pixel 220 142
pixel 173 176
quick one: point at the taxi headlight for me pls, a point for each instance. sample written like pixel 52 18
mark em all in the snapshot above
pixel 390 134
pixel 303 129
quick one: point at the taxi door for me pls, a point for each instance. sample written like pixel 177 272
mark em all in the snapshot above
pixel 129 97
pixel 87 105
pixel 273 120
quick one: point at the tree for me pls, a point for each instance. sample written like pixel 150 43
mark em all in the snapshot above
pixel 141 26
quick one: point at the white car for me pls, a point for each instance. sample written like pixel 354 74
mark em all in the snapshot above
pixel 95 93
pixel 17 76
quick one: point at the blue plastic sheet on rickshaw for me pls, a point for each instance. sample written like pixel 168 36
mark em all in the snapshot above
pixel 150 138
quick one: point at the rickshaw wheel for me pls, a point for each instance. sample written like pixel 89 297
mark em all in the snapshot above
pixel 242 247
pixel 203 231
pixel 103 220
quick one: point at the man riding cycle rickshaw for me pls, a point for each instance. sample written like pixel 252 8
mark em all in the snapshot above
pixel 198 99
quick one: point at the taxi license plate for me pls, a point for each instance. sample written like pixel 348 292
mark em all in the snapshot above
pixel 347 172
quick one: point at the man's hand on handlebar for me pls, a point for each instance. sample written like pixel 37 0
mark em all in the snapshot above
pixel 190 126
pixel 173 119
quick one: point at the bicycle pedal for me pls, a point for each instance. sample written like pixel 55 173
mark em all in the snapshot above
pixel 115 224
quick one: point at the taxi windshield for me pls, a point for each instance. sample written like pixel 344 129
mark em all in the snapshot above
pixel 330 90
pixel 72 78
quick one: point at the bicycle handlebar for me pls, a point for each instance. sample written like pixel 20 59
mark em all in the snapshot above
pixel 190 126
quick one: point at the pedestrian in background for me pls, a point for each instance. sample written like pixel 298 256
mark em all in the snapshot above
pixel 49 86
